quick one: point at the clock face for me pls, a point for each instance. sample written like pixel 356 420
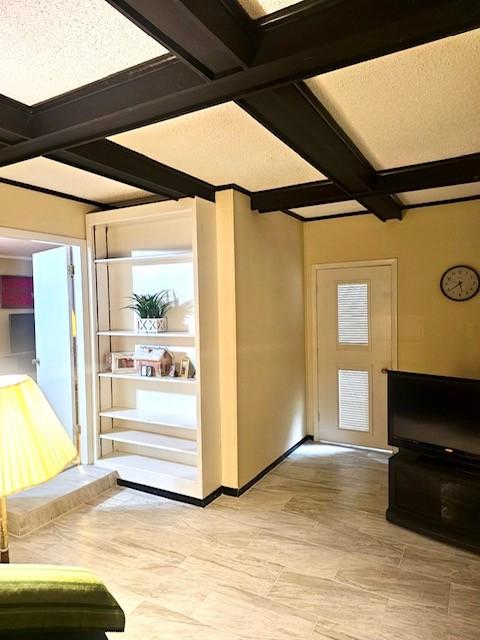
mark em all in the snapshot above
pixel 460 283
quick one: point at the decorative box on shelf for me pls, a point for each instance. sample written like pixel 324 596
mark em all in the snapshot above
pixel 154 360
pixel 151 325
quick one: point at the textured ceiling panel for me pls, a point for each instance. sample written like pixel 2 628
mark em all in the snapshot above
pixel 49 174
pixel 260 8
pixel 221 145
pixel 442 193
pixel 414 106
pixel 320 210
pixel 48 48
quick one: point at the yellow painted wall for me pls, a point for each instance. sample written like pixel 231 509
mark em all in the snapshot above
pixel 227 336
pixel 435 335
pixel 270 336
pixel 33 211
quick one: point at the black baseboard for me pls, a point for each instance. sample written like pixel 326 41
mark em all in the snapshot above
pixel 171 495
pixel 229 491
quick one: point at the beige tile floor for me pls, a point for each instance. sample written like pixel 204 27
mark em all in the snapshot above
pixel 306 553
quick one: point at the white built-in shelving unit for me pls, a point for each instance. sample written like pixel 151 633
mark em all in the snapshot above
pixel 160 432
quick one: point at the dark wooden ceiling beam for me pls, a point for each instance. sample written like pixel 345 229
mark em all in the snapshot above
pixel 298 195
pixel 296 116
pixel 176 89
pixel 111 160
pixel 213 37
pixel 100 109
pixel 107 159
pixel 441 173
pixel 14 121
pixel 429 175
pixel 364 29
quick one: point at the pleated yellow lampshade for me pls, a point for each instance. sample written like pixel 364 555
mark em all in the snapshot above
pixel 34 446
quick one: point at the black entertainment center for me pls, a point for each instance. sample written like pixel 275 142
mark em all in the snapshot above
pixel 434 479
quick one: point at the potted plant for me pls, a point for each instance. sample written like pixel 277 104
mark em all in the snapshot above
pixel 151 310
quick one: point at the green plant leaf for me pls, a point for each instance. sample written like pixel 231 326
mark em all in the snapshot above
pixel 152 305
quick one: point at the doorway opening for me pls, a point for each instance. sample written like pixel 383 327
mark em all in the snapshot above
pixel 355 342
pixel 42 331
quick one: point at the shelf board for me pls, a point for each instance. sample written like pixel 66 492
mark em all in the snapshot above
pixel 133 462
pixel 165 335
pixel 157 379
pixel 165 257
pixel 153 440
pixel 162 420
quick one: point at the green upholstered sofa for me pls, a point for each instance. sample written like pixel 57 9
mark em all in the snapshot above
pixel 45 601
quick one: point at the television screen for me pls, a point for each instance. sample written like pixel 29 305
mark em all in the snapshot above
pixel 435 412
pixel 22 332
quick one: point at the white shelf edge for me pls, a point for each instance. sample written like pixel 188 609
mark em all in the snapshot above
pixel 170 335
pixel 158 379
pixel 161 257
pixel 135 415
pixel 154 466
pixel 151 440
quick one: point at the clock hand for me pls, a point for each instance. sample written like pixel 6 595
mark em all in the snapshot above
pixel 459 284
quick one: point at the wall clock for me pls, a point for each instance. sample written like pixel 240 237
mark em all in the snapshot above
pixel 460 283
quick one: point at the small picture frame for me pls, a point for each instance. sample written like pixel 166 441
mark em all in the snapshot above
pixel 121 362
pixel 187 370
pixel 147 371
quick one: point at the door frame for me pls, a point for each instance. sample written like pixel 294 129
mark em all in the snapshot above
pixel 84 368
pixel 386 262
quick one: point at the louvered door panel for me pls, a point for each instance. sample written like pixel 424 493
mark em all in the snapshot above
pixel 352 313
pixel 353 400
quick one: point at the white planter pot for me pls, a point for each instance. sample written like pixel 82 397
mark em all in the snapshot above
pixel 151 325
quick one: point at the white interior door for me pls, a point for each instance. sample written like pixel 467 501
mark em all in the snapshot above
pixel 354 341
pixel 53 307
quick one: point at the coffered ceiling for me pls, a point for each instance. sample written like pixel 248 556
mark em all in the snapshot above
pixel 314 108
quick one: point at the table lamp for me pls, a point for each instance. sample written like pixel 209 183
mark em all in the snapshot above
pixel 34 447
